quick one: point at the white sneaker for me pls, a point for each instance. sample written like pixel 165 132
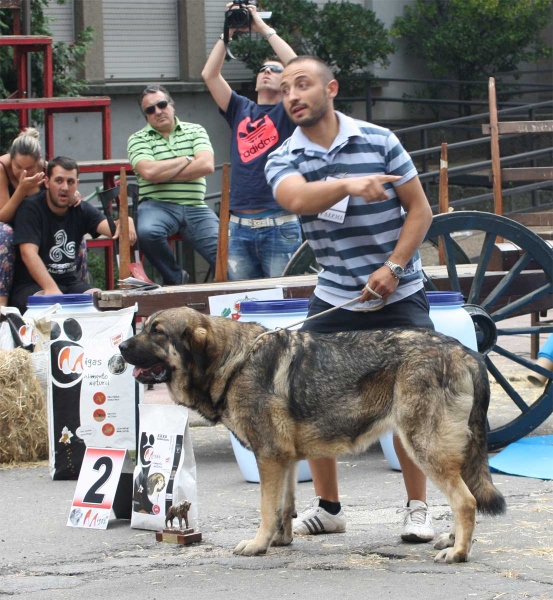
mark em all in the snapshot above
pixel 314 520
pixel 417 525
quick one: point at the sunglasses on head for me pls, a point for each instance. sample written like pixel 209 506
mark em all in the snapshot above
pixel 150 110
pixel 273 68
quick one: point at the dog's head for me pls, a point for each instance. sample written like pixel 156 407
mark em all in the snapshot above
pixel 171 341
pixel 193 353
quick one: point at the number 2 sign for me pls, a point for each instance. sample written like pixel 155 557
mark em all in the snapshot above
pixel 97 487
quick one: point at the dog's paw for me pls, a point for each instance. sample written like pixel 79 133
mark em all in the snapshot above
pixel 282 540
pixel 249 548
pixel 446 540
pixel 450 556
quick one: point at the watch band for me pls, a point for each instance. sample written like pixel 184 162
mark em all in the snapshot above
pixel 397 270
pixel 269 33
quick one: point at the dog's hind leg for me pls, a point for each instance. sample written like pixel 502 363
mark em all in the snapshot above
pixel 273 476
pixel 441 462
pixel 284 534
pixel 456 546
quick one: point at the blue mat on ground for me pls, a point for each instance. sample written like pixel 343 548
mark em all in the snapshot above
pixel 529 457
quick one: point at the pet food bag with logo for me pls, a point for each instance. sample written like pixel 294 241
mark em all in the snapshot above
pixel 92 395
pixel 165 473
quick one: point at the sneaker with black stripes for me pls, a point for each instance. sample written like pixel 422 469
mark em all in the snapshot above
pixel 315 520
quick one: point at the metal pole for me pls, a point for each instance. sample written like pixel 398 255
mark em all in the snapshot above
pixel 27 31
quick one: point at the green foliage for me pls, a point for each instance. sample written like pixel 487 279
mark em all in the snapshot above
pixel 68 59
pixel 96 267
pixel 346 36
pixel 473 39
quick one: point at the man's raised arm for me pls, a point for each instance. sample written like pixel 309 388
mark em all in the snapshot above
pixel 218 87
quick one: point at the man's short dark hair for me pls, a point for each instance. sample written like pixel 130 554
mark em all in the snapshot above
pixel 152 89
pixel 64 162
pixel 273 59
pixel 324 70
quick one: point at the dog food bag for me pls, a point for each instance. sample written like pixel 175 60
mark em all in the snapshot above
pixel 165 473
pixel 92 395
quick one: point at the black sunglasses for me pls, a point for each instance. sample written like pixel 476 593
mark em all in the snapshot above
pixel 273 68
pixel 150 110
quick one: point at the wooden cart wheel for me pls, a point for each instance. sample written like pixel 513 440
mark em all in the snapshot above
pixel 303 262
pixel 495 293
pixel 493 297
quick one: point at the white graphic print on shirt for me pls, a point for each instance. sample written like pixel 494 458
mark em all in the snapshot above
pixel 61 248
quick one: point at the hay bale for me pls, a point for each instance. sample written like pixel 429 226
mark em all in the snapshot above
pixel 23 418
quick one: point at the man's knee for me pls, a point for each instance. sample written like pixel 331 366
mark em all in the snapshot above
pixel 151 232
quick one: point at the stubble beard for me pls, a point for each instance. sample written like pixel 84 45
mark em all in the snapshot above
pixel 318 113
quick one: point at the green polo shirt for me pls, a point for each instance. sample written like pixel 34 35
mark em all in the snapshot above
pixel 186 139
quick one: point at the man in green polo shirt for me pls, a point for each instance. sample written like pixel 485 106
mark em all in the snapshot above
pixel 171 159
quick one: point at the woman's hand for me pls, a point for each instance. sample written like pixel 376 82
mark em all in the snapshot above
pixel 29 185
pixel 77 199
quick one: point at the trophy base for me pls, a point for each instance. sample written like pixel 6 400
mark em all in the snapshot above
pixel 182 537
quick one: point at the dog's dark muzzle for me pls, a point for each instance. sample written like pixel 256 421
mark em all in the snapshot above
pixel 156 374
pixel 147 369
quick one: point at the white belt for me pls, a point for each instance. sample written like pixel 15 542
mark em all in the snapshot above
pixel 265 222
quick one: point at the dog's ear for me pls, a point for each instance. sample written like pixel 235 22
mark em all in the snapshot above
pixel 199 339
pixel 198 347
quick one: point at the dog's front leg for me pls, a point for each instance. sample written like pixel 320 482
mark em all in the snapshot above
pixel 284 534
pixel 272 475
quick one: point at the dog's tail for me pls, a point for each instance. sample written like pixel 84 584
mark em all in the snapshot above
pixel 475 470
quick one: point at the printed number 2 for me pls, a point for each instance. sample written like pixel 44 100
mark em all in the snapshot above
pixel 91 496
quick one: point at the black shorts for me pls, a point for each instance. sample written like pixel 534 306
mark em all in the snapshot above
pixel 20 295
pixel 412 311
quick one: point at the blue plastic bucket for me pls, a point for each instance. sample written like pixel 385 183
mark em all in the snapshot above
pixel 274 314
pixel 68 303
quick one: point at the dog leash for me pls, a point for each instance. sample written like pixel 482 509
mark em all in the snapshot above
pixel 329 310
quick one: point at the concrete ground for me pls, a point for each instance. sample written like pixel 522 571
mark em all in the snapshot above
pixel 42 559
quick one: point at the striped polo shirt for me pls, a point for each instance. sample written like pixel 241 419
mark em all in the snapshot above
pixel 186 139
pixel 349 252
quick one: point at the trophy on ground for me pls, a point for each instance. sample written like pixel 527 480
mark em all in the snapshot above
pixel 180 536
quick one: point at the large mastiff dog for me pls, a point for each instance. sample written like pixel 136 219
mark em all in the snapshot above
pixel 289 395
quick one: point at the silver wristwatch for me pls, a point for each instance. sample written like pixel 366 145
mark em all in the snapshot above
pixel 397 270
pixel 269 33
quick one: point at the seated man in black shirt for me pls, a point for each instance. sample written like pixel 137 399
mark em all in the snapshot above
pixel 48 232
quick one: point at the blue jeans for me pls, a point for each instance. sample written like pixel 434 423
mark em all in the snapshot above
pixel 262 252
pixel 197 225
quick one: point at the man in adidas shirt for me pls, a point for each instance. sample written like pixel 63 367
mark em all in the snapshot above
pixel 263 236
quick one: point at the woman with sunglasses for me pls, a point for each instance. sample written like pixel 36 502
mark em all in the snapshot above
pixel 263 237
pixel 21 175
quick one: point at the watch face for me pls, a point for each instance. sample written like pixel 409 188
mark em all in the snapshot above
pixel 397 270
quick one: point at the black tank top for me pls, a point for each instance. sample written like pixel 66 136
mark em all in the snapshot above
pixel 11 189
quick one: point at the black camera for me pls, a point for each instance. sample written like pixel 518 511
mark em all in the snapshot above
pixel 240 17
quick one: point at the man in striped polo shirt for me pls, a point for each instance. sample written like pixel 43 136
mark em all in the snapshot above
pixel 171 159
pixel 365 214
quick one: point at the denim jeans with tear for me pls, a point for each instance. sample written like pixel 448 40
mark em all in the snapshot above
pixel 262 252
